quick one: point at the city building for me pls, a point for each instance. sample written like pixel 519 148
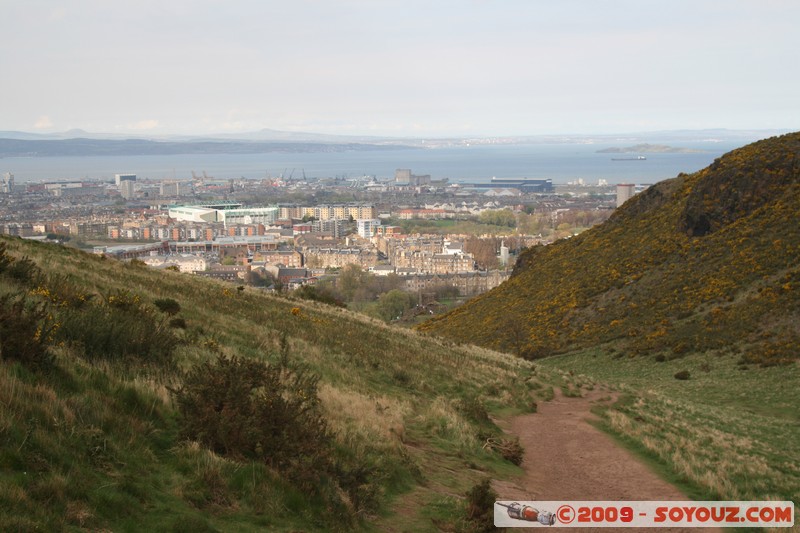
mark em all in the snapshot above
pixel 390 230
pixel 625 191
pixel 327 212
pixel 441 263
pixel 193 214
pixel 185 263
pixel 339 257
pixel 467 283
pixel 404 177
pixel 428 214
pixel 119 178
pixel 248 215
pixel 289 277
pixel 73 189
pixel 287 258
pixel 335 227
pixel 7 183
pixel 525 185
pixel 367 227
pixel 228 214
pixel 504 255
pixel 235 273
pixel 131 251
pixel 126 183
pixel 253 244
pixel 174 188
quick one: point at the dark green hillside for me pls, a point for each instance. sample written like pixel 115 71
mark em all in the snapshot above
pixel 687 300
pixel 706 262
pixel 139 400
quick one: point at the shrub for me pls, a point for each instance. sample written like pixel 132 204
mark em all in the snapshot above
pixel 177 323
pixel 682 375
pixel 118 328
pixel 5 259
pixel 168 306
pixel 319 294
pixel 510 449
pixel 243 408
pixel 401 377
pixel 473 409
pixel 480 506
pixel 24 329
pixel 62 291
pixel 680 348
pixel 531 352
pixel 22 270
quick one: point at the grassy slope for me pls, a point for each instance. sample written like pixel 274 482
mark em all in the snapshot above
pixel 698 273
pixel 727 432
pixel 94 444
pixel 643 283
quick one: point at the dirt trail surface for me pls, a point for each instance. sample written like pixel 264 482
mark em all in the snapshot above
pixel 567 458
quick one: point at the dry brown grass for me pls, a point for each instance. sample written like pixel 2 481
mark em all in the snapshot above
pixel 709 448
pixel 372 418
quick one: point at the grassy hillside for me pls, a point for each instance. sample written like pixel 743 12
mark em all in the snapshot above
pixel 100 430
pixel 688 301
pixel 722 434
pixel 700 263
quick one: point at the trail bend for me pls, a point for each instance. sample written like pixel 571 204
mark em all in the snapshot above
pixel 567 458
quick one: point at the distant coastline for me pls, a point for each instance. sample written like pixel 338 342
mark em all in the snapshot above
pixel 138 147
pixel 560 162
pixel 650 149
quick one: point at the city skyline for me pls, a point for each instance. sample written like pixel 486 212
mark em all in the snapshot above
pixel 413 69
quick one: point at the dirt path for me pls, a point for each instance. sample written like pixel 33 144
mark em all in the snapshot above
pixel 566 458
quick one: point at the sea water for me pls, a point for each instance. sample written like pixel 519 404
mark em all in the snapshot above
pixel 561 163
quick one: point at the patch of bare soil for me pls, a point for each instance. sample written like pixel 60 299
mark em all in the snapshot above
pixel 567 458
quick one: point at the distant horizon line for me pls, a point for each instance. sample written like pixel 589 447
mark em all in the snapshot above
pixel 74 133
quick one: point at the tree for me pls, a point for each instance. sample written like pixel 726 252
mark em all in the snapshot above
pixel 351 278
pixel 499 217
pixel 483 250
pixel 393 304
pixel 319 293
pixel 445 292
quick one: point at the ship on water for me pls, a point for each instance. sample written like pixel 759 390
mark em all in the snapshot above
pixel 637 158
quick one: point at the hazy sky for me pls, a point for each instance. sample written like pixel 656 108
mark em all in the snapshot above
pixel 399 67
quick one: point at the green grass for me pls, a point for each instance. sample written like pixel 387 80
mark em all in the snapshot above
pixel 724 433
pixel 94 442
pixel 699 263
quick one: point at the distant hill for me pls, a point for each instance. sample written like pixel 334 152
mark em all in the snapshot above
pixel 706 262
pixel 98 147
pixel 649 149
pixel 260 135
pixel 647 138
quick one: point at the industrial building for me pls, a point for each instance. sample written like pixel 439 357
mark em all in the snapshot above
pixel 525 185
pixel 228 214
pixel 625 191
